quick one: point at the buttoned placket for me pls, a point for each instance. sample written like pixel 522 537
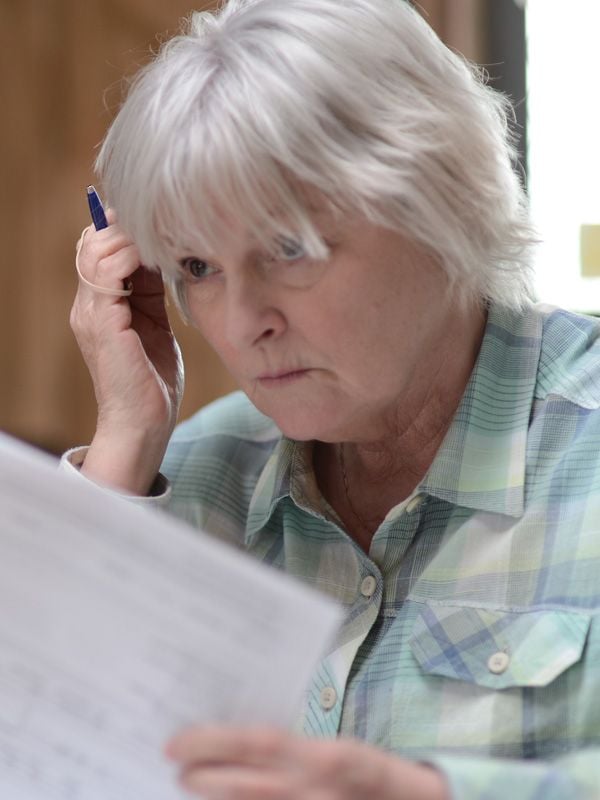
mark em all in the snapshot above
pixel 326 695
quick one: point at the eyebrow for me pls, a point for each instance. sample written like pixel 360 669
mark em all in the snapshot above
pixel 323 216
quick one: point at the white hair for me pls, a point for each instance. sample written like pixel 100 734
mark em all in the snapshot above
pixel 356 100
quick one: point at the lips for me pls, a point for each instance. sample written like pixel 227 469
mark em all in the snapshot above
pixel 281 376
pixel 280 373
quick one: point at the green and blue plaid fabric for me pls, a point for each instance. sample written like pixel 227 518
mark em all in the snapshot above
pixel 471 638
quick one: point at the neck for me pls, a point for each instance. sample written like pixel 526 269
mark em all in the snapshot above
pixel 363 479
pixel 409 434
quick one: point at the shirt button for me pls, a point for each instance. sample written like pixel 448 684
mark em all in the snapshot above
pixel 328 698
pixel 368 586
pixel 498 663
pixel 415 504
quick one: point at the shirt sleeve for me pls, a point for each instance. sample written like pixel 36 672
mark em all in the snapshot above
pixel 160 491
pixel 575 776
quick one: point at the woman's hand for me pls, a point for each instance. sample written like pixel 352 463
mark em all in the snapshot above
pixel 133 359
pixel 223 763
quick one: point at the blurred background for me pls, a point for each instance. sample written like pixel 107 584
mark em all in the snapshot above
pixel 63 65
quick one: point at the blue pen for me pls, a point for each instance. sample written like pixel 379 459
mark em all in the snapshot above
pixel 96 209
pixel 100 222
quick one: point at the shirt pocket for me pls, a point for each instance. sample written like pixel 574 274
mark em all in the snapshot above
pixel 498 649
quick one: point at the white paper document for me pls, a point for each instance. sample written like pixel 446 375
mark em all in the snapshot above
pixel 119 626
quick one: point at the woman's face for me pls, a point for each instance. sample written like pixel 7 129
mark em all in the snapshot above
pixel 334 350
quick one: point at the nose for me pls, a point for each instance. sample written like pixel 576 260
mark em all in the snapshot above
pixel 253 311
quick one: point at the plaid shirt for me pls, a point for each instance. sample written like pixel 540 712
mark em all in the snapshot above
pixel 471 637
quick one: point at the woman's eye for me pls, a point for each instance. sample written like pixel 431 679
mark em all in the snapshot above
pixel 196 267
pixel 290 249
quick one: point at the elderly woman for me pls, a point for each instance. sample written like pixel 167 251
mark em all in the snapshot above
pixel 329 193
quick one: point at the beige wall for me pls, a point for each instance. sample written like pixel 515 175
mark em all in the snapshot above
pixel 460 24
pixel 65 59
pixel 62 62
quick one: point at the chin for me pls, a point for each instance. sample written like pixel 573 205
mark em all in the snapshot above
pixel 294 421
pixel 304 426
pixel 302 430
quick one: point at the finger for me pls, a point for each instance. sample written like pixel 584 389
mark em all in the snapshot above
pixel 236 783
pixel 227 745
pixel 108 276
pixel 94 245
pixel 106 240
pixel 114 268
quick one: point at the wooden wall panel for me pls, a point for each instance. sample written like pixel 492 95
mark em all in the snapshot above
pixel 459 23
pixel 62 62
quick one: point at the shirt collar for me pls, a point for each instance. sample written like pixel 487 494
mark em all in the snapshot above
pixel 481 462
pixel 288 473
